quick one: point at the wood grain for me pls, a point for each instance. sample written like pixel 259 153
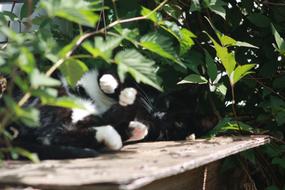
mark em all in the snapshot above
pixel 135 166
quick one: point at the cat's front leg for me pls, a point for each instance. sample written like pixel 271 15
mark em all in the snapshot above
pixel 108 84
pixel 109 137
pixel 127 96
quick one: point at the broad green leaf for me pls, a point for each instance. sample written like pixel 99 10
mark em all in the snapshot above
pixel 240 72
pixel 211 66
pixel 227 59
pixel 161 45
pixel 26 60
pixel 67 48
pixel 72 70
pixel 83 17
pixel 195 6
pixel 103 47
pixel 259 20
pixel 227 41
pixel 279 83
pixel 153 16
pixel 39 79
pixel 193 60
pixel 219 10
pixel 193 78
pixel 139 67
pixel 186 41
pixel 81 14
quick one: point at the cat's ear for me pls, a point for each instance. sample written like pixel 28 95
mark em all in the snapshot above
pixel 138 131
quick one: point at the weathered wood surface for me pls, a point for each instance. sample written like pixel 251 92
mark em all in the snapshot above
pixel 135 166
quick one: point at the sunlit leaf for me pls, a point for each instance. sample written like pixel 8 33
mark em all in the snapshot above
pixel 139 67
pixel 39 79
pixel 240 72
pixel 193 78
pixel 73 69
pixel 211 66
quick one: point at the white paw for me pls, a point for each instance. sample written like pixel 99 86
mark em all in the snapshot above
pixel 127 96
pixel 139 131
pixel 109 137
pixel 108 84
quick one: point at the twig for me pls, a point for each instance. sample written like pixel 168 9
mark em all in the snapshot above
pixel 26 97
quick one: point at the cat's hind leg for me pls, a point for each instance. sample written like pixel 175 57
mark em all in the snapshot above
pixel 138 131
pixel 109 137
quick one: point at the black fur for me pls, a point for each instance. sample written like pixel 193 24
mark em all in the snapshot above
pixel 171 116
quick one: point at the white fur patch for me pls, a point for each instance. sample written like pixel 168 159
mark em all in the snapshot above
pixel 108 84
pixel 88 108
pixel 127 96
pixel 109 137
pixel 90 84
pixel 139 131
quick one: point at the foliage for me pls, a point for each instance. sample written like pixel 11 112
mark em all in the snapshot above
pixel 236 48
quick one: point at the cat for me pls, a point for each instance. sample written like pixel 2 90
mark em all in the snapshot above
pixel 115 114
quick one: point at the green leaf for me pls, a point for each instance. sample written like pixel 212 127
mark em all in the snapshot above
pixel 279 40
pixel 29 116
pixel 279 83
pixel 219 9
pixel 31 156
pixel 66 102
pixel 186 41
pixel 280 118
pixel 272 187
pixel 195 5
pixel 153 16
pixel 26 60
pixel 139 67
pixel 193 78
pixel 81 14
pixel 240 72
pixel 259 20
pixel 211 66
pixel 39 79
pixel 227 125
pixel 279 161
pixel 161 45
pixel 103 47
pixel 221 90
pixel 72 70
pixel 227 41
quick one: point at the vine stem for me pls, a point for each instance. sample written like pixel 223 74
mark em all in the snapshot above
pixel 26 97
pixel 234 107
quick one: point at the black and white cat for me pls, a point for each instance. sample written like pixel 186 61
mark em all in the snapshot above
pixel 113 114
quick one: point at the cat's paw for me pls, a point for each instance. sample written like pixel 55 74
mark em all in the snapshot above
pixel 138 131
pixel 108 136
pixel 108 84
pixel 127 96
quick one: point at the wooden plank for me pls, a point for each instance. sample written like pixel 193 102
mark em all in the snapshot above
pixel 134 167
